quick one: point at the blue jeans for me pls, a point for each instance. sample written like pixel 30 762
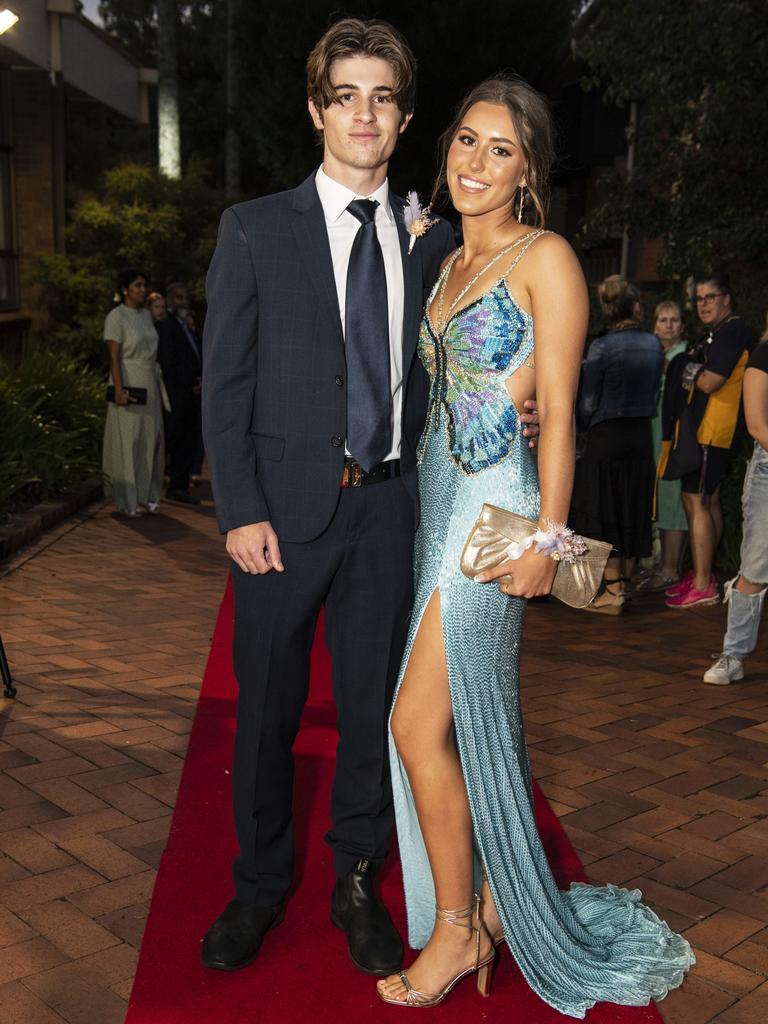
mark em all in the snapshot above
pixel 744 610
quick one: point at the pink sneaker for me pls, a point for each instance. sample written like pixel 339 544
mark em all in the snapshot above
pixel 681 586
pixel 693 598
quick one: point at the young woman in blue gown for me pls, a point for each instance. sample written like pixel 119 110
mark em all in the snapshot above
pixel 506 320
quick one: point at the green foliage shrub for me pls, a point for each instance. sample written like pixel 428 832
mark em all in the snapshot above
pixel 52 411
pixel 136 218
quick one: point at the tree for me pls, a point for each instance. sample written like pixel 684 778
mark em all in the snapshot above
pixel 232 140
pixel 169 142
pixel 135 25
pixel 455 49
pixel 136 217
pixel 699 74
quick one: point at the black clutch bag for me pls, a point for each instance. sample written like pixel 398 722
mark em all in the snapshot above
pixel 138 396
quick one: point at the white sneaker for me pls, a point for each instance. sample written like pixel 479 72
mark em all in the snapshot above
pixel 727 669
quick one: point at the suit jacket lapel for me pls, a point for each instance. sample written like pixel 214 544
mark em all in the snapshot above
pixel 412 287
pixel 311 237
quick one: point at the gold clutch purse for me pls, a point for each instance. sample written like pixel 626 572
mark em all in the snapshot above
pixel 576 581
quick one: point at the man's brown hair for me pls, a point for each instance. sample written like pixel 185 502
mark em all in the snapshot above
pixel 353 37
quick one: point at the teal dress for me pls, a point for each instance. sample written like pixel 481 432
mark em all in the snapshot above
pixel 592 943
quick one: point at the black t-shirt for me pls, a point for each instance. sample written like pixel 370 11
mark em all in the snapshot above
pixel 759 358
pixel 720 349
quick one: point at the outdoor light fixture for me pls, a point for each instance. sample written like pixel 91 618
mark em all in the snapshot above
pixel 7 19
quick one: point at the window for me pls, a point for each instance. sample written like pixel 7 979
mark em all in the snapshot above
pixel 9 260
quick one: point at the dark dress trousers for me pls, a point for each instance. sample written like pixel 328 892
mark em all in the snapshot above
pixel 182 371
pixel 274 417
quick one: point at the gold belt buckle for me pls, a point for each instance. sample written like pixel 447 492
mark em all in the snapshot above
pixel 352 475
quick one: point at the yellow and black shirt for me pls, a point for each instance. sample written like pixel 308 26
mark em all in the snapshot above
pixel 725 351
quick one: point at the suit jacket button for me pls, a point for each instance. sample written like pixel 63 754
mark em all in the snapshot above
pixel 337 441
pixel 339 380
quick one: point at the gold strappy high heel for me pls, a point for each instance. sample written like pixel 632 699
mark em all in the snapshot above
pixel 483 968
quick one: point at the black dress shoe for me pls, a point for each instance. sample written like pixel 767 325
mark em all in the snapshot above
pixel 374 944
pixel 234 938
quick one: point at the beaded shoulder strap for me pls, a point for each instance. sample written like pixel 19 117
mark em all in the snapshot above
pixel 528 242
pixel 443 281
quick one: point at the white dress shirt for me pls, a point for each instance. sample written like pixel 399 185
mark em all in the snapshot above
pixel 342 227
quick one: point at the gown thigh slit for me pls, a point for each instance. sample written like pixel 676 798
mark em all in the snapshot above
pixel 591 943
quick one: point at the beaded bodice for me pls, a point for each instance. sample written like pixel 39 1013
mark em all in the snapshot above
pixel 469 359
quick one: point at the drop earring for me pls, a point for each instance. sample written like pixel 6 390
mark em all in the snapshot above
pixel 521 208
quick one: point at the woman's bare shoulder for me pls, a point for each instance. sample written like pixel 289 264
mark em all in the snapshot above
pixel 551 246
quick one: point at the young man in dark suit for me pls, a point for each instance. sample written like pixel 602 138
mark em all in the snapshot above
pixel 313 401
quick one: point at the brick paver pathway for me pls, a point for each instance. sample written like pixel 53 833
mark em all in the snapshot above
pixel 660 781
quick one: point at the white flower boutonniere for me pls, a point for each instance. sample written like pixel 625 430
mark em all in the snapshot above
pixel 417 220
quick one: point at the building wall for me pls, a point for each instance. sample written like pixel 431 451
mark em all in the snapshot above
pixel 98 69
pixel 29 36
pixel 37 202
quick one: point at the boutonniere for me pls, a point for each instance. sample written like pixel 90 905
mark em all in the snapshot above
pixel 417 220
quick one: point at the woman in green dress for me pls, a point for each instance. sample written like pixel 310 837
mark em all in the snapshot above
pixel 134 453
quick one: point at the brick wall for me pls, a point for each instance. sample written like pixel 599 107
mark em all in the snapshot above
pixel 32 104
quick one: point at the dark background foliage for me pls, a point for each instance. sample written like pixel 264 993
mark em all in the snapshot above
pixel 699 74
pixel 457 44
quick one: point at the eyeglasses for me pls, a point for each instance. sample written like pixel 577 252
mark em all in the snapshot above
pixel 704 300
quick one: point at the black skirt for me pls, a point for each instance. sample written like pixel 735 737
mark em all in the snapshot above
pixel 613 487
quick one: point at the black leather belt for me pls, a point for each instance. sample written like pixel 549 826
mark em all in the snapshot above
pixel 355 476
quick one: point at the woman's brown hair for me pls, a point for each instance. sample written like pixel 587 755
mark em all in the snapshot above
pixel 530 115
pixel 353 37
pixel 618 299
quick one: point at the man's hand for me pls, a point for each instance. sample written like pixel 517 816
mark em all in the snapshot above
pixel 255 548
pixel 530 418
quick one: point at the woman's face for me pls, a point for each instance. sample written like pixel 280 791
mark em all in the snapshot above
pixel 157 308
pixel 485 164
pixel 669 327
pixel 136 292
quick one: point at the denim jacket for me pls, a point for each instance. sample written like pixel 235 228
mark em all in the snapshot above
pixel 621 377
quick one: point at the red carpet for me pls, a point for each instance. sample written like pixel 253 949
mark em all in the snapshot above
pixel 302 972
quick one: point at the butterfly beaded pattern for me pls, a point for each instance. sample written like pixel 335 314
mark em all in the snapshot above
pixel 469 355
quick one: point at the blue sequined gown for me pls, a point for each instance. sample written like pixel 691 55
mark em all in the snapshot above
pixel 575 948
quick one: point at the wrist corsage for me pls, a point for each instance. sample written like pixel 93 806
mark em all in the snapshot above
pixel 417 220
pixel 557 542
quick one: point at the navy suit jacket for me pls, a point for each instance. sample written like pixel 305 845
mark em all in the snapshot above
pixel 181 367
pixel 274 376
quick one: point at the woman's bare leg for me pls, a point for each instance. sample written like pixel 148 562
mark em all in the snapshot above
pixel 422 725
pixel 671 552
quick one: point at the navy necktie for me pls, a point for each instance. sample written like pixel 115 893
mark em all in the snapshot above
pixel 369 394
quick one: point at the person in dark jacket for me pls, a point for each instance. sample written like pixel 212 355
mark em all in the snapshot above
pixel 613 489
pixel 179 356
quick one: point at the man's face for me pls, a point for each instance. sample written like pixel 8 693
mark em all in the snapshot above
pixel 360 131
pixel 178 299
pixel 712 305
